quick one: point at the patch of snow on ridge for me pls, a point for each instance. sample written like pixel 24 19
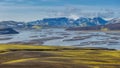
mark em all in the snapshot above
pixel 73 16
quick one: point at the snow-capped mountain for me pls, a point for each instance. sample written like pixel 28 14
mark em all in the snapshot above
pixel 61 22
pixel 113 21
pixel 67 22
pixel 53 22
pixel 83 22
pixel 113 24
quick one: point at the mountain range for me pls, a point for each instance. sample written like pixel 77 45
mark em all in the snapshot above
pixel 80 23
pixel 67 22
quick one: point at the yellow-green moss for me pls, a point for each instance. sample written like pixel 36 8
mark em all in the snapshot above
pixel 19 60
pixel 5 47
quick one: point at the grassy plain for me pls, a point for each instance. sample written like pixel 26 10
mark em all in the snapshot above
pixel 29 56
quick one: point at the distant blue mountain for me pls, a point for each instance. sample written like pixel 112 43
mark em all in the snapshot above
pixel 82 23
pixel 99 21
pixel 67 22
pixel 56 21
pixel 52 22
pixel 59 22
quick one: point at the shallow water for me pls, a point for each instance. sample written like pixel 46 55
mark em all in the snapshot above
pixel 92 39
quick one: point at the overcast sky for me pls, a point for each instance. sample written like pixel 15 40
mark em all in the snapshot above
pixel 28 10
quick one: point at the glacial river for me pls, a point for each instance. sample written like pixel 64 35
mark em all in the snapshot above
pixel 61 37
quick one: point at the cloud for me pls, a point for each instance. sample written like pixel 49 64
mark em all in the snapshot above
pixel 27 10
pixel 29 13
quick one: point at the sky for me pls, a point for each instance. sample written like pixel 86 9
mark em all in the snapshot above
pixel 29 10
